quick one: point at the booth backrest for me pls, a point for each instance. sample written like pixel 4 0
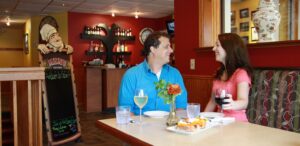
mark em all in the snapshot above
pixel 274 99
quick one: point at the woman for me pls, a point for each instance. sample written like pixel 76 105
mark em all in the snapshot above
pixel 234 76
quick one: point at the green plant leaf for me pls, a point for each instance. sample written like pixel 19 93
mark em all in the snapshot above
pixel 162 91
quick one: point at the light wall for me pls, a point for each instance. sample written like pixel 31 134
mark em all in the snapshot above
pixel 12 41
pixel 252 5
pixel 11 45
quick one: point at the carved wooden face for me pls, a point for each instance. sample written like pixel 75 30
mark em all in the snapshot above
pixel 55 40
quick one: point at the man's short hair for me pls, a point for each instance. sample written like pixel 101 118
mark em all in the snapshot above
pixel 153 41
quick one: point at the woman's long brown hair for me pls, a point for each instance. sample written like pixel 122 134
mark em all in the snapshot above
pixel 236 55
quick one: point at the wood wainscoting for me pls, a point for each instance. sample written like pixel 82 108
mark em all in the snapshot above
pixel 26 90
pixel 198 88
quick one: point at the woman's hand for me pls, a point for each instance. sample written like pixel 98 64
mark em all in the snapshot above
pixel 229 102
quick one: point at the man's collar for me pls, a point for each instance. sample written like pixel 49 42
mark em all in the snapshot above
pixel 148 69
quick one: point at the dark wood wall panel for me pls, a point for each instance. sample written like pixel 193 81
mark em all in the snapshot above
pixel 198 88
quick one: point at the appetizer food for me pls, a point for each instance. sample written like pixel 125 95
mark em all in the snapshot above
pixel 191 124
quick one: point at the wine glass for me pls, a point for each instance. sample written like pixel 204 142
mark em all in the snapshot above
pixel 220 95
pixel 140 99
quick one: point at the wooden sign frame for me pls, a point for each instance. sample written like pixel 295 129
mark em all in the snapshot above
pixel 66 129
pixel 76 136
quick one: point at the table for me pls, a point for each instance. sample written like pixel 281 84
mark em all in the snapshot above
pixel 153 132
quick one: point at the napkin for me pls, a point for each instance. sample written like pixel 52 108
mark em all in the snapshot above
pixel 223 120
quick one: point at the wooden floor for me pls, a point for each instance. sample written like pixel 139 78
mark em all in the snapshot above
pixel 92 136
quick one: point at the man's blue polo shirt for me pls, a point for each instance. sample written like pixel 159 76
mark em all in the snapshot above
pixel 141 77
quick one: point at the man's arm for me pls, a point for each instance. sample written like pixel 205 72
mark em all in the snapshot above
pixel 126 91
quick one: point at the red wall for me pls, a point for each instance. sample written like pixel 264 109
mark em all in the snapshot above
pixel 187 39
pixel 275 56
pixel 76 23
pixel 186 34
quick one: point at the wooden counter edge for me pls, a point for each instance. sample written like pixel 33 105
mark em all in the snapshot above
pixel 258 45
pixel 121 135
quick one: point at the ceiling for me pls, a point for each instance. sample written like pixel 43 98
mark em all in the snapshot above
pixel 20 10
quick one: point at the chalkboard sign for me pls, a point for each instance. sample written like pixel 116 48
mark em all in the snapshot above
pixel 60 103
pixel 61 107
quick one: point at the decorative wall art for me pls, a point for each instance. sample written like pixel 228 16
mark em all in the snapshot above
pixel 244 26
pixel 26 48
pixel 254 34
pixel 232 18
pixel 244 13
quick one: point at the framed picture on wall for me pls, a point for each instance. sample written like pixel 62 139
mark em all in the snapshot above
pixel 254 34
pixel 244 13
pixel 244 26
pixel 232 18
pixel 26 49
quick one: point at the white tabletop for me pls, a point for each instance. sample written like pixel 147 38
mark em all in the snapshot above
pixel 153 131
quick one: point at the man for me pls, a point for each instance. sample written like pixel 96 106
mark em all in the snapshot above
pixel 157 51
pixel 54 41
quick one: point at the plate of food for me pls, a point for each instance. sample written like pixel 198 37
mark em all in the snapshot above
pixel 156 114
pixel 190 126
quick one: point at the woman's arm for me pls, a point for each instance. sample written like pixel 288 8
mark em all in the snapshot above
pixel 211 105
pixel 242 98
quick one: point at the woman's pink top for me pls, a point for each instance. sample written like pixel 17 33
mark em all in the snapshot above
pixel 240 75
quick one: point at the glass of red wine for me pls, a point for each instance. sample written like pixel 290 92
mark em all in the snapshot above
pixel 220 96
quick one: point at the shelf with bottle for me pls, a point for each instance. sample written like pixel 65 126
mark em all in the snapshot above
pixel 109 38
pixel 121 53
pixel 99 37
pixel 125 38
pixel 96 47
pixel 88 53
pixel 123 34
pixel 92 37
pixel 99 30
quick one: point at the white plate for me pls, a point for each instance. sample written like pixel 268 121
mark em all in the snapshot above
pixel 211 114
pixel 156 114
pixel 174 129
